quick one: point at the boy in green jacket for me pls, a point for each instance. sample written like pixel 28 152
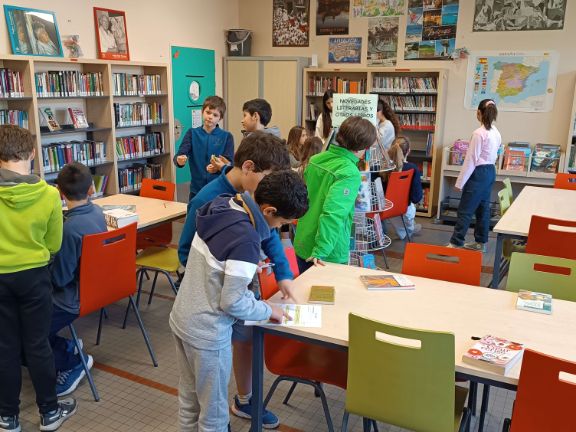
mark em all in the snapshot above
pixel 333 180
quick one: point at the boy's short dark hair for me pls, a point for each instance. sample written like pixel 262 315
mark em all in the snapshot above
pixel 16 143
pixel 74 181
pixel 215 102
pixel 284 190
pixel 356 133
pixel 268 152
pixel 260 106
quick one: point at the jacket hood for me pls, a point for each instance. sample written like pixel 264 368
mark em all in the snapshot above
pixel 20 191
pixel 273 130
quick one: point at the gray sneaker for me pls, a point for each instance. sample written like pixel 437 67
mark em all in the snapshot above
pixel 476 246
pixel 52 420
pixel 9 424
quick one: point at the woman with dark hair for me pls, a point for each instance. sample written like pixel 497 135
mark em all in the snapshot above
pixel 388 124
pixel 324 123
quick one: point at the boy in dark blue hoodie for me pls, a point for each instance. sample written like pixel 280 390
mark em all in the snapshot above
pixel 83 218
pixel 214 293
pixel 207 148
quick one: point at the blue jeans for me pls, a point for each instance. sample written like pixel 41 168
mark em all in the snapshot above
pixel 63 349
pixel 475 200
pixel 303 265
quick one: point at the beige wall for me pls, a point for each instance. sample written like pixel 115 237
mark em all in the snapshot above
pixel 550 127
pixel 152 25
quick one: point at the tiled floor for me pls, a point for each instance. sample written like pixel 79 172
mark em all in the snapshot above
pixel 135 396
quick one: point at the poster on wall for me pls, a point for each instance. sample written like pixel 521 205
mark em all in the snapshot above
pixel 344 50
pixel 516 81
pixel 518 15
pixel 431 29
pixel 374 8
pixel 291 23
pixel 382 41
pixel 111 34
pixel 332 17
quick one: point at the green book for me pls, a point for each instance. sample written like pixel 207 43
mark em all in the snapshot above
pixel 322 294
pixel 534 302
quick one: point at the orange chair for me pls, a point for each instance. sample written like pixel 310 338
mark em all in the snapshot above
pixel 300 362
pixel 161 235
pixel 544 401
pixel 565 181
pixel 112 252
pixel 546 236
pixel 398 191
pixel 443 263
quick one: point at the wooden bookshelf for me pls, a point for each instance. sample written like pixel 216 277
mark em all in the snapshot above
pixel 99 109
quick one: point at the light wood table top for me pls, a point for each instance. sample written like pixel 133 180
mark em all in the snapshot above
pixel 463 310
pixel 150 211
pixel 553 203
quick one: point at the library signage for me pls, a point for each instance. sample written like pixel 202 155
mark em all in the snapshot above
pixel 349 105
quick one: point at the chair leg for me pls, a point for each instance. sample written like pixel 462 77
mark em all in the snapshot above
pixel 139 277
pixel 143 330
pixel 316 392
pixel 406 229
pixel 325 407
pixel 277 381
pixel 385 259
pixel 84 365
pixel 345 421
pixel 375 425
pixel 171 282
pixel 483 407
pixel 102 312
pixel 473 397
pixel 465 421
pixel 153 288
pixel 366 424
pixel 146 274
pixel 105 313
pixel 506 425
pixel 289 395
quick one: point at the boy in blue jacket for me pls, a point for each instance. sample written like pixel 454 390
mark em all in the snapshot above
pixel 83 218
pixel 258 155
pixel 214 293
pixel 207 148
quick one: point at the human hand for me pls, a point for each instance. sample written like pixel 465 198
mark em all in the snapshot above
pixel 316 261
pixel 286 287
pixel 181 160
pixel 278 314
pixel 211 169
pixel 220 162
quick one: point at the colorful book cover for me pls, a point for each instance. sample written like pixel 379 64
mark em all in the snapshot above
pixel 387 282
pixel 49 119
pixel 322 295
pixel 78 118
pixel 494 354
pixel 534 302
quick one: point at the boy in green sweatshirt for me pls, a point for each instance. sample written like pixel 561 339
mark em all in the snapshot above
pixel 30 231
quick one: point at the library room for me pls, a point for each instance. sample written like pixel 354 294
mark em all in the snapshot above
pixel 292 215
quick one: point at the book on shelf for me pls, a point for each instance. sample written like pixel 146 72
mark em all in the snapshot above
pixel 378 230
pixel 400 103
pixel 136 85
pixel 545 158
pixel 11 85
pixel 514 160
pixel 387 282
pixel 322 294
pixel 78 118
pixel 140 146
pixel 415 121
pixel 429 144
pixel 404 84
pixel 100 183
pixel 534 302
pixel 364 198
pixel 14 117
pixel 130 178
pixel 380 196
pixel 301 316
pixel 56 155
pixel 69 84
pixel 317 85
pixel 138 114
pixel 458 152
pixel 368 261
pixel 494 354
pixel 48 119
pixel 119 218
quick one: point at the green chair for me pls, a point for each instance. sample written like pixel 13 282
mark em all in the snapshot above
pixel 550 275
pixel 508 188
pixel 406 386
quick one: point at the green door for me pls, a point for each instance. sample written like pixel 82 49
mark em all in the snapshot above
pixel 193 80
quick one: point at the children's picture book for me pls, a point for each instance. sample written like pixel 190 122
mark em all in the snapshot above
pixel 387 282
pixel 78 118
pixel 534 302
pixel 545 158
pixel 119 218
pixel 322 294
pixel 48 119
pixel 494 354
pixel 379 189
pixel 364 198
pixel 368 261
pixel 301 316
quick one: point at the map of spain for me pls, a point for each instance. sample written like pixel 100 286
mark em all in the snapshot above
pixel 512 80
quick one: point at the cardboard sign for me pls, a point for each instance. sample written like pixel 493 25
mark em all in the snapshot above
pixel 349 105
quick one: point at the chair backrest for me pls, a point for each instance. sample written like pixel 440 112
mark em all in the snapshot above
pixel 504 200
pixel 552 237
pixel 545 399
pixel 442 263
pixel 397 383
pixel 398 191
pixel 508 187
pixel 107 268
pixel 157 189
pixel 565 181
pixel 268 284
pixel 550 275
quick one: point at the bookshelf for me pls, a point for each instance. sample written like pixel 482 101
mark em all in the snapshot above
pixel 127 106
pixel 571 139
pixel 417 97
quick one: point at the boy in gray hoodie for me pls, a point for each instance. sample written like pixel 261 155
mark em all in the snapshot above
pixel 214 293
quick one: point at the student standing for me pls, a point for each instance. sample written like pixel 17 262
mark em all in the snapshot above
pixel 206 148
pixel 256 115
pixel 476 179
pixel 388 124
pixel 324 122
pixel 295 144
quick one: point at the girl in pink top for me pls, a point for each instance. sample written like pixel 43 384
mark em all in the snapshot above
pixel 476 179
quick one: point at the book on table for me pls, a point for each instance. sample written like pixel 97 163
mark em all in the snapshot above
pixel 387 282
pixel 128 207
pixel 494 354
pixel 301 316
pixel 534 302
pixel 119 218
pixel 321 295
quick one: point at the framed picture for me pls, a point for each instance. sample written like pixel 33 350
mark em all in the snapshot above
pixel 291 23
pixel 111 34
pixel 33 31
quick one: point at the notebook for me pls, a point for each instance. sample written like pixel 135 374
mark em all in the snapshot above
pixel 321 295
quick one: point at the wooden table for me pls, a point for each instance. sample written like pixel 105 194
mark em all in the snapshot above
pixel 151 212
pixel 515 223
pixel 463 310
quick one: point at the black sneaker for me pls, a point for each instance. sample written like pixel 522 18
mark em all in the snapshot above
pixel 54 419
pixel 9 424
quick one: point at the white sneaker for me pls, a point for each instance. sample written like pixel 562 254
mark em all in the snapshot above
pixel 476 246
pixel 453 246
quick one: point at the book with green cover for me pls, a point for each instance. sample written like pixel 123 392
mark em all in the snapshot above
pixel 534 302
pixel 321 295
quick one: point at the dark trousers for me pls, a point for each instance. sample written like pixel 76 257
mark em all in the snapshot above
pixel 25 315
pixel 63 349
pixel 475 201
pixel 303 265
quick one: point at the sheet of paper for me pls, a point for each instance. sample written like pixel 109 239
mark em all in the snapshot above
pixel 302 316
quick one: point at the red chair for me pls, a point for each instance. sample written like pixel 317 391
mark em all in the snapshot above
pixel 107 268
pixel 552 237
pixel 268 284
pixel 300 362
pixel 161 235
pixel 398 191
pixel 544 401
pixel 565 181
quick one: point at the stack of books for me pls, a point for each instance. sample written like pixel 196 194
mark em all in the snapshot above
pixel 11 83
pixel 14 117
pixel 136 85
pixel 56 155
pixel 138 114
pixel 139 146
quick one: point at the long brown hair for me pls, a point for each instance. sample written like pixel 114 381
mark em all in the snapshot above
pixel 398 151
pixel 488 112
pixel 326 114
pixel 390 115
pixel 311 147
pixel 293 142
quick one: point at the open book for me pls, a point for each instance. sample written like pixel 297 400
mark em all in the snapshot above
pixel 302 316
pixel 387 282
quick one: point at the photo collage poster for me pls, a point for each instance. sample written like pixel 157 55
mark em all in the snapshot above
pixel 344 50
pixel 291 23
pixel 382 41
pixel 519 15
pixel 332 17
pixel 431 29
pixel 375 8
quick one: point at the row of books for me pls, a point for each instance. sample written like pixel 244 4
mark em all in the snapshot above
pixel 425 167
pixel 100 183
pixel 410 102
pixel 313 111
pixel 69 83
pixel 318 85
pixel 138 146
pixel 403 84
pixel 130 178
pixel 138 114
pixel 417 119
pixel 429 144
pixel 572 159
pixel 520 156
pixel 11 83
pixel 424 204
pixel 14 117
pixel 56 155
pixel 136 85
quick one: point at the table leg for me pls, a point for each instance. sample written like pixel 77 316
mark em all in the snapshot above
pixel 257 378
pixel 497 260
